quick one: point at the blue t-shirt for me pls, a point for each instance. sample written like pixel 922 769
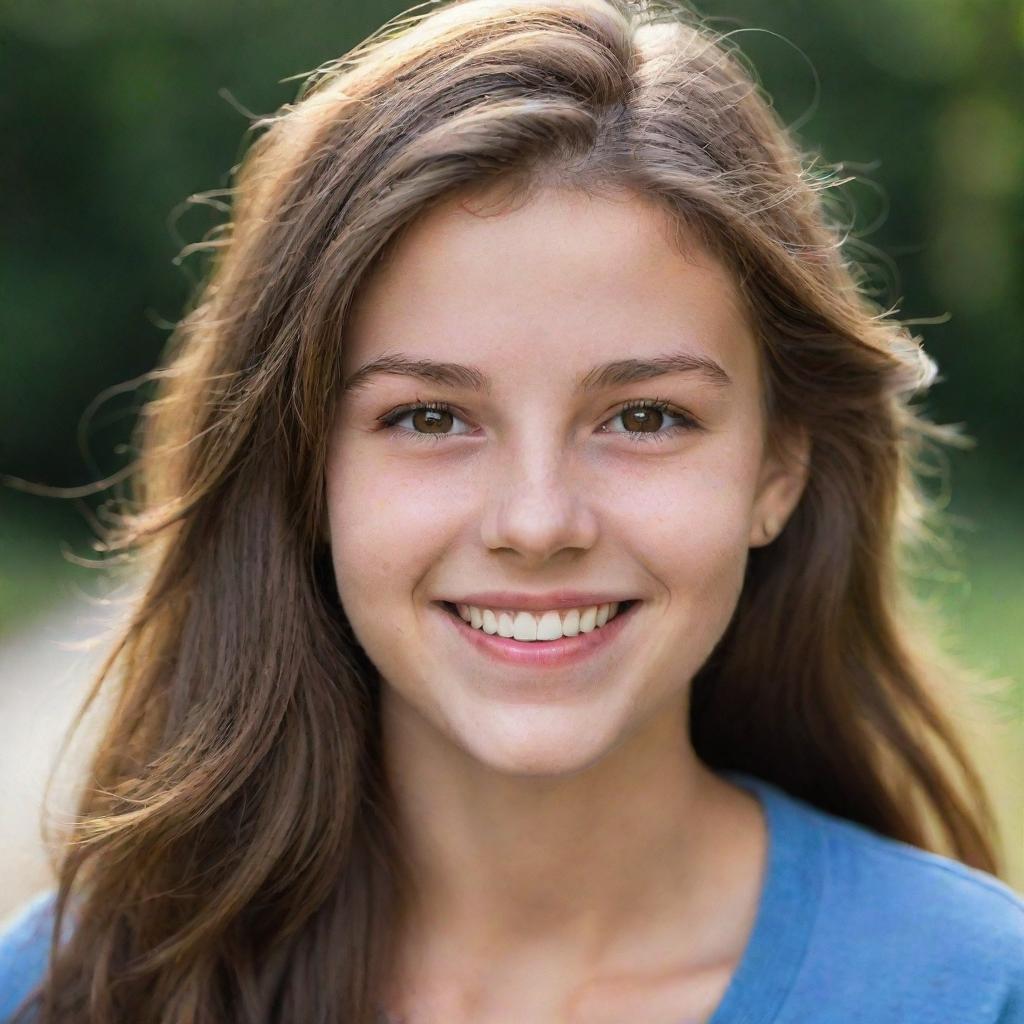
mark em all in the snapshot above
pixel 852 928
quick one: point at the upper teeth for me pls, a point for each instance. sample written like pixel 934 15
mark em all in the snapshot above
pixel 544 626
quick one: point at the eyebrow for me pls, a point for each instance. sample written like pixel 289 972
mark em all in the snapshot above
pixel 602 377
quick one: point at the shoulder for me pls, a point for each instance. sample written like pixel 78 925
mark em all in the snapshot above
pixel 24 950
pixel 920 930
pixel 887 877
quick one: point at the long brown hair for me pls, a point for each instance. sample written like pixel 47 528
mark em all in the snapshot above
pixel 235 856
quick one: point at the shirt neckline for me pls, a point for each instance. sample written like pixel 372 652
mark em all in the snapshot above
pixel 790 894
pixel 787 907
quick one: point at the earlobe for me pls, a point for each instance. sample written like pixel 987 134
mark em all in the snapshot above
pixel 782 483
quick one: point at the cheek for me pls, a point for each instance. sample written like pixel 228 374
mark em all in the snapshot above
pixel 388 528
pixel 695 507
pixel 691 530
pixel 384 529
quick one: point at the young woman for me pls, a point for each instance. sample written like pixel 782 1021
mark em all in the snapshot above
pixel 524 637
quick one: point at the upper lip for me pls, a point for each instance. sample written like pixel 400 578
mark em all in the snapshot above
pixel 551 601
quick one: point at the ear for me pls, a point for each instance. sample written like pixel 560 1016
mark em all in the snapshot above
pixel 784 474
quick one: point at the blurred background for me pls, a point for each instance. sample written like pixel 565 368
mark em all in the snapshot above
pixel 113 114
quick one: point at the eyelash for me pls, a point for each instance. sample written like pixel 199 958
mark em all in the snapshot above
pixel 390 419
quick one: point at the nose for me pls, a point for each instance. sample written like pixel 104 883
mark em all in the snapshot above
pixel 537 506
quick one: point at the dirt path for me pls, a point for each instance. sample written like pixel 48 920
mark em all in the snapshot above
pixel 44 675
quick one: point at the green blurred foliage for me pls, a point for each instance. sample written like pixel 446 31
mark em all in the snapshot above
pixel 923 101
pixel 113 113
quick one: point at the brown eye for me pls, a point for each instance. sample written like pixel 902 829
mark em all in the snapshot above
pixel 431 421
pixel 644 420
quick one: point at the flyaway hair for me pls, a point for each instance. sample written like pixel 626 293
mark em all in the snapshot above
pixel 234 857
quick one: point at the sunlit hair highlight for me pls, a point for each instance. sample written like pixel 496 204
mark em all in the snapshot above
pixel 235 856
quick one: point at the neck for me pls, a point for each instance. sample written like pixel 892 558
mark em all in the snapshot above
pixel 645 841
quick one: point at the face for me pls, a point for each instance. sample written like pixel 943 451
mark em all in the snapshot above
pixel 532 472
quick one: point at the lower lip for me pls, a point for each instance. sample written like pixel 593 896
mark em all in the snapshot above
pixel 541 653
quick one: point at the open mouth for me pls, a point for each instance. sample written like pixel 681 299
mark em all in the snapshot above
pixel 540 656
pixel 624 609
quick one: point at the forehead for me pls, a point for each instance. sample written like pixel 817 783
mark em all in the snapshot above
pixel 566 276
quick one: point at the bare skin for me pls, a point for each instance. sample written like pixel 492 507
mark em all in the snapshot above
pixel 641 914
pixel 575 862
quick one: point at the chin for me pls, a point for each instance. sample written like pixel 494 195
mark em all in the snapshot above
pixel 537 743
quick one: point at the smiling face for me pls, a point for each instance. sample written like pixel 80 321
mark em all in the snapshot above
pixel 529 475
